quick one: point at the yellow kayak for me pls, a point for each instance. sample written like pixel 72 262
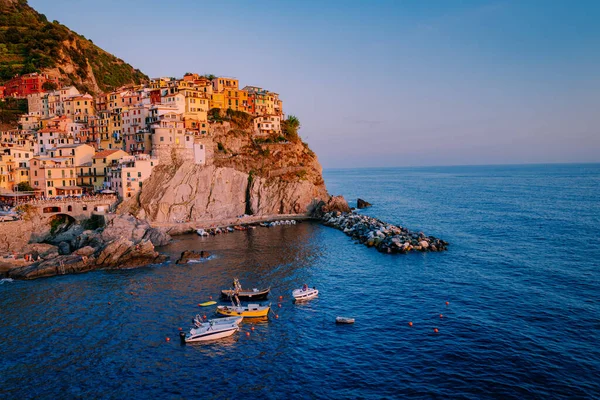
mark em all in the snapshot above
pixel 249 311
pixel 207 303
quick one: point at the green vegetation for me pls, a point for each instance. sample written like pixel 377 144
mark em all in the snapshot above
pixel 290 128
pixel 222 148
pixel 10 111
pixel 30 43
pixel 24 187
pixel 239 118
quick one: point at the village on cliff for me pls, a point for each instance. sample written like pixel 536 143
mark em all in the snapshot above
pixel 72 144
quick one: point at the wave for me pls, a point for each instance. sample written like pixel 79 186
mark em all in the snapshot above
pixel 6 280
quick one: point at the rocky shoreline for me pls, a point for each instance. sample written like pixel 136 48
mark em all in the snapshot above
pixel 124 242
pixel 386 238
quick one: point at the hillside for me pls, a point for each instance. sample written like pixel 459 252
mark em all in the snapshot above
pixel 31 43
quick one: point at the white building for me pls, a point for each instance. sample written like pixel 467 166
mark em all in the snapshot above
pixel 126 176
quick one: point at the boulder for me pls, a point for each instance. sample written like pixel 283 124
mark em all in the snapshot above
pixel 64 248
pixel 123 253
pixel 360 204
pixel 424 244
pixel 85 251
pixel 190 255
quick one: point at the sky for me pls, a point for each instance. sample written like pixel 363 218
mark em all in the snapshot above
pixel 384 83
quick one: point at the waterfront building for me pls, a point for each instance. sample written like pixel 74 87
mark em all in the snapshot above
pixel 54 176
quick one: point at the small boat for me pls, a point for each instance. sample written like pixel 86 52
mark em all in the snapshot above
pixel 198 321
pixel 344 320
pixel 201 232
pixel 211 331
pixel 207 303
pixel 249 311
pixel 305 293
pixel 245 294
pixel 230 229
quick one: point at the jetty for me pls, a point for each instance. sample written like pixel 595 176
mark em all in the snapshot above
pixel 386 238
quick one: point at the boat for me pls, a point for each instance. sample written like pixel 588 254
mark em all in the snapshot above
pixel 344 320
pixel 305 293
pixel 201 232
pixel 211 331
pixel 249 311
pixel 198 321
pixel 245 294
pixel 207 303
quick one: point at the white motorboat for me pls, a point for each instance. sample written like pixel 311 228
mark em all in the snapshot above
pixel 198 321
pixel 201 232
pixel 305 293
pixel 211 331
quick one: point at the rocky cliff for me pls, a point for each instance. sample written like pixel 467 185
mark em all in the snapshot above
pixel 243 174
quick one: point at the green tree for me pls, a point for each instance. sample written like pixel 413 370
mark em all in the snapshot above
pixel 24 187
pixel 210 76
pixel 49 86
pixel 290 127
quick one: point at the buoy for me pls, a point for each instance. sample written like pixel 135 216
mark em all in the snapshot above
pixel 280 297
pixel 447 303
pixel 252 328
pixel 276 316
pixel 168 339
pixel 441 316
pixel 435 330
pixel 279 305
pixel 180 329
pixel 109 303
pixel 410 324
pixel 210 297
pixel 204 317
pixel 247 333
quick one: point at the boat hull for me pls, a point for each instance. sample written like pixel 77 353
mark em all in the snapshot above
pixel 246 312
pixel 247 294
pixel 212 334
pixel 304 295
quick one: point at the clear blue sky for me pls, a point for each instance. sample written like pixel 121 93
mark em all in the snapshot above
pixel 384 83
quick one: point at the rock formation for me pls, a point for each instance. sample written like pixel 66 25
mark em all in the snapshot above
pixel 243 175
pixel 386 238
pixel 190 255
pixel 360 204
pixel 125 242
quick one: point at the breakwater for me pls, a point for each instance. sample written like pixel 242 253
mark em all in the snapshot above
pixel 386 238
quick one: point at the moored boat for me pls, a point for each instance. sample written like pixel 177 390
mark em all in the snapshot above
pixel 305 293
pixel 201 232
pixel 249 311
pixel 211 331
pixel 198 321
pixel 245 294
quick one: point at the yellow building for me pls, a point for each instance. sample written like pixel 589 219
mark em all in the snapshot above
pixel 217 100
pixel 7 172
pixel 236 100
pixel 94 174
pixel 54 176
pixel 222 83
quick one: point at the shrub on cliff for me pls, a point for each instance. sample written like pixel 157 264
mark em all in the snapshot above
pixel 290 127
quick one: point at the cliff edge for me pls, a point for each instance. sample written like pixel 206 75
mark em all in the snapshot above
pixel 241 174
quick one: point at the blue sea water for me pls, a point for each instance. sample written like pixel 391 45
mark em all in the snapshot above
pixel 522 278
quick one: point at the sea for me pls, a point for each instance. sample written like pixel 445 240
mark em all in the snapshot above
pixel 515 301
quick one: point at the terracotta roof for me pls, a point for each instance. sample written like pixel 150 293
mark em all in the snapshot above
pixel 105 153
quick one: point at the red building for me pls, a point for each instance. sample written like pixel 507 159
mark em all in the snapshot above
pixel 155 97
pixel 2 92
pixel 21 86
